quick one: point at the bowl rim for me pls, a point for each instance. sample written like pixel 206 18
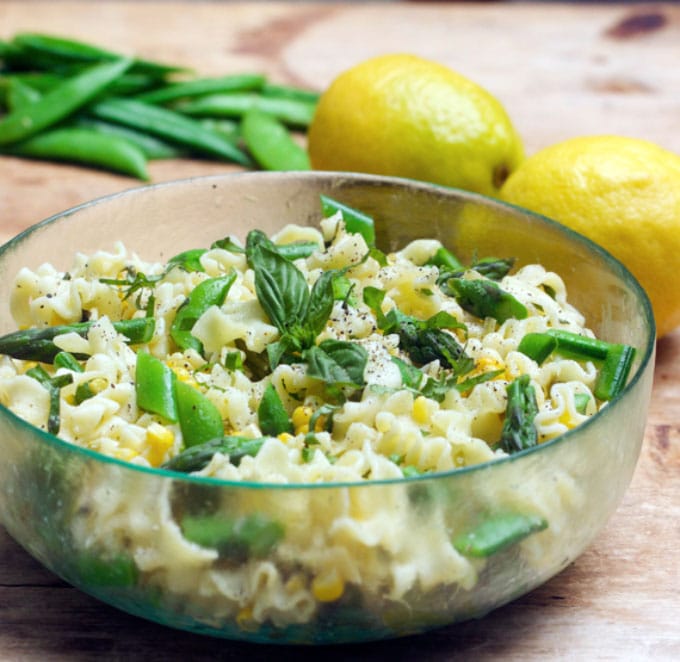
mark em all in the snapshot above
pixel 617 267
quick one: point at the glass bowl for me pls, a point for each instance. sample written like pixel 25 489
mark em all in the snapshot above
pixel 135 560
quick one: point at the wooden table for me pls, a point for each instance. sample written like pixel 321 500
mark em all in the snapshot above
pixel 561 70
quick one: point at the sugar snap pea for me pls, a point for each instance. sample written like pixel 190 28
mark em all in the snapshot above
pixel 202 86
pixel 20 94
pixel 169 125
pixel 60 102
pixel 52 52
pixel 85 146
pixel 151 146
pixel 271 144
pixel 292 112
pixel 289 92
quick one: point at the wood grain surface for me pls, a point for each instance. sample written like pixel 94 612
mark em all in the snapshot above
pixel 561 70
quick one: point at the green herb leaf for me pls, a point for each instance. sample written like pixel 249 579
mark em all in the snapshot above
pixel 272 415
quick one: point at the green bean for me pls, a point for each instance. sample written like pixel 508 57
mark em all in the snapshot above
pixel 289 111
pixel 169 125
pixel 50 52
pixel 94 570
pixel 497 533
pixel 37 344
pixel 60 102
pixel 203 86
pixel 151 147
pixel 271 144
pixel 85 146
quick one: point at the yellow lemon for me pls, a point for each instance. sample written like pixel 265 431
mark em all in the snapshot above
pixel 406 116
pixel 624 194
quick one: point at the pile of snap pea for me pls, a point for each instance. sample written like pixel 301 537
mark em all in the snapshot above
pixel 67 100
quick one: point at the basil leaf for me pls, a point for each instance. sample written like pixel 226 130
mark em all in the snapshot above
pixel 349 355
pixel 188 260
pixel 280 287
pixel 320 304
pixel 411 377
pixel 337 363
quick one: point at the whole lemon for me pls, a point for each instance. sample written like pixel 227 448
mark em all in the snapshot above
pixel 624 194
pixel 406 116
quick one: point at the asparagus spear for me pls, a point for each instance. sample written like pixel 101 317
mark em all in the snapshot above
pixel 38 344
pixel 519 431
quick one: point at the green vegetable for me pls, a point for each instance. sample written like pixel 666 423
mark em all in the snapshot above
pixel 581 401
pixel 38 344
pixel 519 431
pixel 537 346
pixel 53 386
pixel 248 536
pixel 85 146
pixel 96 570
pixel 484 298
pixel 614 371
pixel 68 361
pixel 202 86
pixel 289 92
pixel 60 102
pixel 169 125
pixel 616 359
pixel 445 259
pixel 578 346
pixel 20 94
pixel 155 387
pixel 272 415
pixel 210 292
pixel 493 267
pixel 338 363
pixel 271 144
pixel 45 51
pixel 199 419
pixel 291 112
pixel 356 222
pixel 423 340
pixel 197 457
pixel 150 146
pixel 496 533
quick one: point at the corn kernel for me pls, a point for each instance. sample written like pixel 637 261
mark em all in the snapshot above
pixel 421 410
pixel 125 454
pixel 159 440
pixel 301 416
pixel 244 619
pixel 184 375
pixel 286 438
pixel 328 587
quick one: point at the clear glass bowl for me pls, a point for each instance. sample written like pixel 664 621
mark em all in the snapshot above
pixel 47 486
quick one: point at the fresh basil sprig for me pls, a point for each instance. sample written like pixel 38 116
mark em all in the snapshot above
pixel 300 315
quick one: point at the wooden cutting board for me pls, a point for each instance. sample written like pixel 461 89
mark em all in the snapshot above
pixel 561 70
